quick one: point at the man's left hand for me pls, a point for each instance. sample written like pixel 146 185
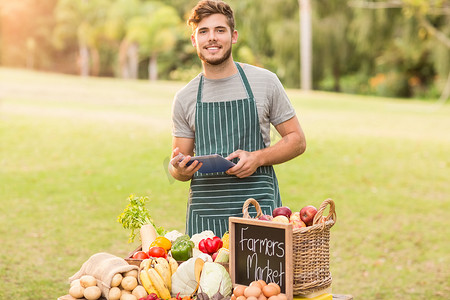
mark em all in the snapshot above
pixel 247 164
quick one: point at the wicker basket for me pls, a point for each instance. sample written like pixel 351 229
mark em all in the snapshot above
pixel 311 250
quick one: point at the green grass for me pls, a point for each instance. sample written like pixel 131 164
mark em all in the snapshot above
pixel 73 149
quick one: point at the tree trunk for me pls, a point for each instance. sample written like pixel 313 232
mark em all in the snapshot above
pixel 95 57
pixel 336 77
pixel 31 49
pixel 123 61
pixel 153 68
pixel 446 92
pixel 84 61
pixel 305 45
pixel 133 60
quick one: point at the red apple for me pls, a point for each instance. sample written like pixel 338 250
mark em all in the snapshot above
pixel 307 214
pixel 282 211
pixel 265 218
pixel 297 224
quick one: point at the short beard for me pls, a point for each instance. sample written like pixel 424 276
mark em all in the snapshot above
pixel 216 61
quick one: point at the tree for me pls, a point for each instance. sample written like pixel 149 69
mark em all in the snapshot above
pixel 332 46
pixel 305 44
pixel 432 18
pixel 81 21
pixel 269 36
pixel 119 14
pixel 153 33
pixel 25 30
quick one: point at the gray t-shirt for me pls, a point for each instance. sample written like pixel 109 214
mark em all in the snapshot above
pixel 272 102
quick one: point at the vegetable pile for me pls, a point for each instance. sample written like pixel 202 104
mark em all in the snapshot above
pixel 124 286
pixel 172 263
pixel 172 266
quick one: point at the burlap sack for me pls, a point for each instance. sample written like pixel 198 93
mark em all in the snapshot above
pixel 103 266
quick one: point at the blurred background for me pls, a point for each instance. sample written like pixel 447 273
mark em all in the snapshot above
pixel 86 88
pixel 393 48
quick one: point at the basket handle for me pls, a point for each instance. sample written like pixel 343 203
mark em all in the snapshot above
pixel 331 214
pixel 255 204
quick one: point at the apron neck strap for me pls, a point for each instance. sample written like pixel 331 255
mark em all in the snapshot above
pixel 244 81
pixel 242 76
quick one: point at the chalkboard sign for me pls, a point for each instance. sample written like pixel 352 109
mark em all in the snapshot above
pixel 261 250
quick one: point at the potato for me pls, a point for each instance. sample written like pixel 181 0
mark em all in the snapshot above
pixel 129 283
pixel 76 291
pixel 75 282
pixel 116 280
pixel 128 297
pixel 114 293
pixel 125 292
pixel 139 292
pixel 92 293
pixel 87 281
pixel 133 273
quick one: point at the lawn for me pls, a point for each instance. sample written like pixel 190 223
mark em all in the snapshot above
pixel 73 149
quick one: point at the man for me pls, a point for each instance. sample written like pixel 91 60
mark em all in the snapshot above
pixel 227 110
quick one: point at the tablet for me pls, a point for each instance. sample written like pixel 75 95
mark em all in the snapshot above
pixel 212 163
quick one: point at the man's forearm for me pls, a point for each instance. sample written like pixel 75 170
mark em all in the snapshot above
pixel 289 147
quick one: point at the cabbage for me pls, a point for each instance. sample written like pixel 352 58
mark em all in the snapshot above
pixel 214 279
pixel 196 238
pixel 173 235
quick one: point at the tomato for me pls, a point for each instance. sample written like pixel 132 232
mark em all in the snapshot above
pixel 156 252
pixel 163 242
pixel 140 255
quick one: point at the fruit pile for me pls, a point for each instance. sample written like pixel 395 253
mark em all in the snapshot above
pixel 298 219
pixel 156 275
pixel 258 290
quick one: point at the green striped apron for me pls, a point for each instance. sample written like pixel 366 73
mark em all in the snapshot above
pixel 222 128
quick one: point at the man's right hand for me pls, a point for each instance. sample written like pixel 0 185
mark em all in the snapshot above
pixel 178 166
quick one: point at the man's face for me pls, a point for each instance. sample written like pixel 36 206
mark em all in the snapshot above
pixel 213 39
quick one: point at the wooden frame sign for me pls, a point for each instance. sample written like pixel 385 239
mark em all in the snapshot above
pixel 261 250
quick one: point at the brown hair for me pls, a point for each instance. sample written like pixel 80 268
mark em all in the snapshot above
pixel 205 8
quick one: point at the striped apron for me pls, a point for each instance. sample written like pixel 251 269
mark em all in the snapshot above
pixel 222 128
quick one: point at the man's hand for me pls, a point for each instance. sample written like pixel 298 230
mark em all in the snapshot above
pixel 247 165
pixel 178 168
pixel 292 144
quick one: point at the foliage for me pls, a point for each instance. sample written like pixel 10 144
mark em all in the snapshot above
pixel 133 38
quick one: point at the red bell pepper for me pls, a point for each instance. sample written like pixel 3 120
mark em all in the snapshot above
pixel 202 247
pixel 210 245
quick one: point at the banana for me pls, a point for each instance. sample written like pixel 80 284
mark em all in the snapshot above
pixel 163 269
pixel 145 264
pixel 158 283
pixel 173 265
pixel 147 283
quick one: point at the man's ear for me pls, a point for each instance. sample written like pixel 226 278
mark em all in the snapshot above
pixel 234 37
pixel 193 41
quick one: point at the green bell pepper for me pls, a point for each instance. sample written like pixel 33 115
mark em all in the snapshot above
pixel 182 248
